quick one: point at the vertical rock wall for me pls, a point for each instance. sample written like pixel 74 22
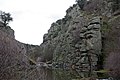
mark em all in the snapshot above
pixel 75 40
pixel 80 39
pixel 90 46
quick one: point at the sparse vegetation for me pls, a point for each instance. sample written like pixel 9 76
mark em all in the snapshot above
pixel 112 64
pixel 5 18
pixel 12 59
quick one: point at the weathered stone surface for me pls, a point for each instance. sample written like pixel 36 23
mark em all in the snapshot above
pixel 73 37
pixel 77 38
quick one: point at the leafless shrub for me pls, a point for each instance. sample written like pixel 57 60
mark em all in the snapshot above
pixel 113 64
pixel 12 59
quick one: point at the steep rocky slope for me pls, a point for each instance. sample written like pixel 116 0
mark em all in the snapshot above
pixel 83 37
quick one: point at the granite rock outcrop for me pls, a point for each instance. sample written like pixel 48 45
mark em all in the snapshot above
pixel 78 40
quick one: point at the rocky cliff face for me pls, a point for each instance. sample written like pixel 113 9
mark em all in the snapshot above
pixel 79 39
pixel 76 40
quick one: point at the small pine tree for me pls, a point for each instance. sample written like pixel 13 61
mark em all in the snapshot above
pixel 6 18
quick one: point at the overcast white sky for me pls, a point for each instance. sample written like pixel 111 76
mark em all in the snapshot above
pixel 32 18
